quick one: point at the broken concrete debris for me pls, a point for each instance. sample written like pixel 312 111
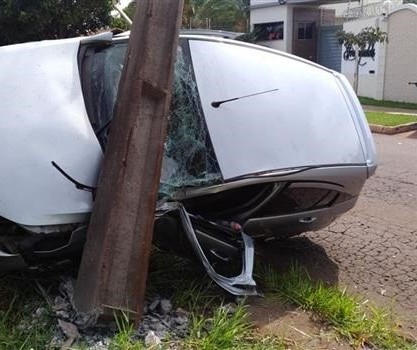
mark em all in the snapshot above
pixel 152 339
pixel 160 318
pixel 160 321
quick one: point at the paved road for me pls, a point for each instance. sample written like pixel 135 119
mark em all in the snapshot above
pixel 388 109
pixel 375 245
pixel 373 248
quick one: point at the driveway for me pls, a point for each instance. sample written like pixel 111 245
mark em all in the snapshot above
pixel 373 248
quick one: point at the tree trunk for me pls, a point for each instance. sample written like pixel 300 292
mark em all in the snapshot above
pixel 356 76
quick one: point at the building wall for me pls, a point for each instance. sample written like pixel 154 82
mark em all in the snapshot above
pixel 275 14
pixel 342 7
pixel 371 75
pixel 329 49
pixel 261 2
pixel 401 59
pixel 302 47
pixel 290 27
pixel 327 17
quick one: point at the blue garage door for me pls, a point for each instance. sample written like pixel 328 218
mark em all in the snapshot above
pixel 329 49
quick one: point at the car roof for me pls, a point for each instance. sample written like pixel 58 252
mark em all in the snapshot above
pixel 204 32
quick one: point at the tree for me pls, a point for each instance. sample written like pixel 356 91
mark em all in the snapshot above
pixel 208 14
pixel 28 20
pixel 119 22
pixel 360 45
pixel 216 14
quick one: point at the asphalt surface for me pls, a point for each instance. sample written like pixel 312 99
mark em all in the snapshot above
pixel 373 248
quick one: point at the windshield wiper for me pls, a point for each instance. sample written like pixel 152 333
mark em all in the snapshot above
pixel 78 185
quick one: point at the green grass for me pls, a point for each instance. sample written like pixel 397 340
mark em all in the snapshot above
pixel 217 330
pixel 349 315
pixel 225 330
pixel 212 325
pixel 393 104
pixel 124 339
pixel 386 119
pixel 18 328
pixel 183 281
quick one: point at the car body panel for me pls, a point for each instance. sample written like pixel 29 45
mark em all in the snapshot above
pixel 364 132
pixel 288 153
pixel 310 130
pixel 307 122
pixel 313 120
pixel 43 119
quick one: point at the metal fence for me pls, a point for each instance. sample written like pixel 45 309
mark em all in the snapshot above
pixel 372 10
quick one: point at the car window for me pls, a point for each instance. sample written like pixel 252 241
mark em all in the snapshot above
pixel 189 158
pixel 104 69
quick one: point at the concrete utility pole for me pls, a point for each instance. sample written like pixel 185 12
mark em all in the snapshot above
pixel 115 260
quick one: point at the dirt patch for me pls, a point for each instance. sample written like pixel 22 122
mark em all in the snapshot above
pixel 272 317
pixel 304 252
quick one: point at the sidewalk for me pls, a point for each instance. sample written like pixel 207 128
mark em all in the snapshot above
pixel 367 108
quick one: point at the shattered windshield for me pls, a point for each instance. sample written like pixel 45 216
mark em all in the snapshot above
pixel 189 158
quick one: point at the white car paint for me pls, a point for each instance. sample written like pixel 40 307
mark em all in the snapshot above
pixel 307 122
pixel 43 119
pixel 310 120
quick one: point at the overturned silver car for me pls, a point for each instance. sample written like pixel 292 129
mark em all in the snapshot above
pixel 261 144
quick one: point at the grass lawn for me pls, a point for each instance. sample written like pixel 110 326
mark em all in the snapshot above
pixel 362 324
pixel 212 325
pixel 386 119
pixel 394 104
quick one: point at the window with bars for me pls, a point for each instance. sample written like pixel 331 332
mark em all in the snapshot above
pixel 306 30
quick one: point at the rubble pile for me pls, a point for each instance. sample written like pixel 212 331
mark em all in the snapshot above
pixel 160 321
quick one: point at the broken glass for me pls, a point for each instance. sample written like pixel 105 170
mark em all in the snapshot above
pixel 189 159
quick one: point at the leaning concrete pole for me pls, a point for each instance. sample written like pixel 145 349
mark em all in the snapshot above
pixel 114 264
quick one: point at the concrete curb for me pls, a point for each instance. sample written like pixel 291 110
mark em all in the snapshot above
pixel 391 130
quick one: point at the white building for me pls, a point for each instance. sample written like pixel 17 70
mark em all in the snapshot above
pixel 307 28
pixel 389 76
pixel 291 25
